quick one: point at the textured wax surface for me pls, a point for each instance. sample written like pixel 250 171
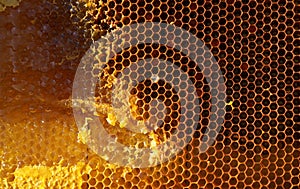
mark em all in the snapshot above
pixel 256 44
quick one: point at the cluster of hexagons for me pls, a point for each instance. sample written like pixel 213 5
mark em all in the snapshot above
pixel 254 42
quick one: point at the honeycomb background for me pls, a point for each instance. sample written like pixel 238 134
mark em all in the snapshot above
pixel 256 44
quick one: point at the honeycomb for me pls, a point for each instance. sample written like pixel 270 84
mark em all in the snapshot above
pixel 255 43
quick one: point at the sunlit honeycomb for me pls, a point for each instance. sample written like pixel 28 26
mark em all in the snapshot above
pixel 256 45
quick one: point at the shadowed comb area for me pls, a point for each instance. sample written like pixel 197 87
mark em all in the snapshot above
pixel 255 43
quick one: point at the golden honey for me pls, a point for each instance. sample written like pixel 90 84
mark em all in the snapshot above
pixel 254 42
